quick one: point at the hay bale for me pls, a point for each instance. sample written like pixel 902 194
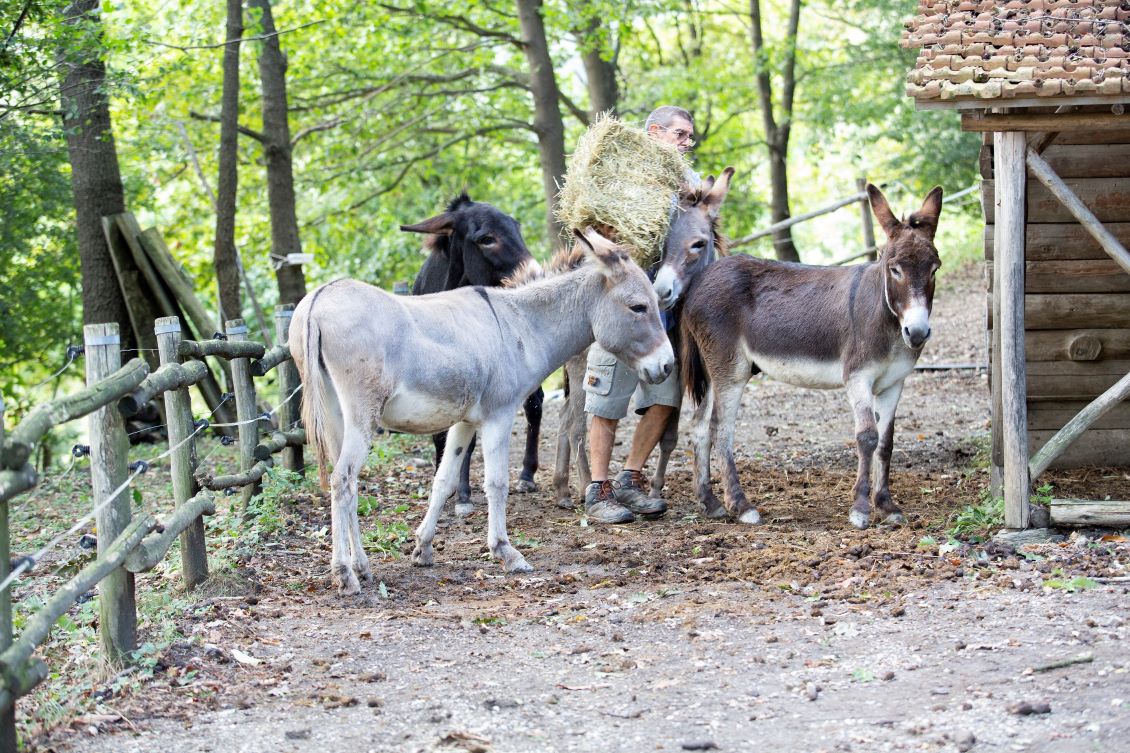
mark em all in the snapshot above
pixel 621 179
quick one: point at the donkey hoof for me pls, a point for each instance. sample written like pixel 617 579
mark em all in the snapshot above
pixel 512 560
pixel 422 556
pixel 565 503
pixel 525 486
pixel 347 583
pixel 364 572
pixel 463 509
pixel 753 517
pixel 859 519
pixel 713 509
pixel 894 519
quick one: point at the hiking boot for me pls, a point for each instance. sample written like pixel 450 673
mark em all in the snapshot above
pixel 601 505
pixel 630 493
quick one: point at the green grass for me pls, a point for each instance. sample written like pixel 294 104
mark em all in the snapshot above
pixel 975 521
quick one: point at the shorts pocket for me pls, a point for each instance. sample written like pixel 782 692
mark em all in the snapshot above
pixel 599 378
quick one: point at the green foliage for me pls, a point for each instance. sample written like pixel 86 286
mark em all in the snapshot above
pixel 973 521
pixel 1072 585
pixel 389 532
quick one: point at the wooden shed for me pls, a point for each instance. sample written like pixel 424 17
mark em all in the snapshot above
pixel 1047 82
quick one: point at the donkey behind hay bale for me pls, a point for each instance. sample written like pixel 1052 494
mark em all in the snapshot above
pixel 474 243
pixel 861 327
pixel 464 359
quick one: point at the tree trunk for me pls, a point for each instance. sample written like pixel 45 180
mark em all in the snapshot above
pixel 548 125
pixel 95 178
pixel 604 93
pixel 225 255
pixel 777 134
pixel 280 173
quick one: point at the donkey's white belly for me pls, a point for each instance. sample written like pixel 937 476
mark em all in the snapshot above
pixel 420 413
pixel 801 372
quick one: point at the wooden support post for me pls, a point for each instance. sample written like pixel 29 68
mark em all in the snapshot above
pixel 108 455
pixel 1010 171
pixel 865 215
pixel 178 410
pixel 245 408
pixel 996 450
pixel 8 741
pixel 288 382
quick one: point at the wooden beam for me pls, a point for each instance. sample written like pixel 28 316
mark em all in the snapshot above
pixel 862 196
pixel 1027 122
pixel 1076 426
pixel 1108 199
pixel 1011 175
pixel 1059 241
pixel 1080 512
pixel 979 104
pixel 1044 173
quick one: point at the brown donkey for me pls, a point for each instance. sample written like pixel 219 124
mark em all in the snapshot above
pixel 860 327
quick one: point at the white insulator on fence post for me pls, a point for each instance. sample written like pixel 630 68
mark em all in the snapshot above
pixel 245 408
pixel 8 741
pixel 109 448
pixel 288 383
pixel 178 413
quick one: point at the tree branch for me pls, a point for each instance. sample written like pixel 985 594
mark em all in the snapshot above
pixel 457 22
pixel 186 48
pixel 764 84
pixel 216 119
pixel 578 113
pixel 16 26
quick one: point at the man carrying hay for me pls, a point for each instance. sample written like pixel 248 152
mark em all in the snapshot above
pixel 626 182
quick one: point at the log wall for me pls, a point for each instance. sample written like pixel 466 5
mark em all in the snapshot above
pixel 1076 299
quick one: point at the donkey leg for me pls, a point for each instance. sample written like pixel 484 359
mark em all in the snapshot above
pixel 885 405
pixel 496 454
pixel 349 558
pixel 463 504
pixel 705 423
pixel 578 422
pixel 866 440
pixel 667 444
pixel 533 430
pixel 458 439
pixel 728 400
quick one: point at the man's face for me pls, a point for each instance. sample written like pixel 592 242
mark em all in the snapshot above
pixel 680 134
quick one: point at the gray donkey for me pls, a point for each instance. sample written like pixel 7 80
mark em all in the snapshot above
pixel 465 359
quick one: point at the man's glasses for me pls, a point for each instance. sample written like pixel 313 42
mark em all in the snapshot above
pixel 681 136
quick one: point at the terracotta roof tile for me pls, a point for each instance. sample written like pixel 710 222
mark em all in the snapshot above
pixel 1004 49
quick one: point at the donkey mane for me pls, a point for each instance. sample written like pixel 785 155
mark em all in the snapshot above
pixel 565 260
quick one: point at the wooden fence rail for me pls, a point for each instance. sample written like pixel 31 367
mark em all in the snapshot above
pixel 130 543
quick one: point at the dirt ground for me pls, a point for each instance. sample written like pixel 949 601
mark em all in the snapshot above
pixel 801 634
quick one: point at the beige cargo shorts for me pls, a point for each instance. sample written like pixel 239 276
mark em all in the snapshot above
pixel 610 384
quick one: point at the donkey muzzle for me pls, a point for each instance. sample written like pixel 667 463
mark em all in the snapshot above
pixel 657 365
pixel 667 287
pixel 916 327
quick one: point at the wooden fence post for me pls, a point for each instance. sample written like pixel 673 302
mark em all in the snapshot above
pixel 868 225
pixel 109 448
pixel 8 741
pixel 288 382
pixel 245 408
pixel 1010 172
pixel 178 413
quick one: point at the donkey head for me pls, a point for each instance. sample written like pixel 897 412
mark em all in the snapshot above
pixel 625 316
pixel 909 262
pixel 690 244
pixel 483 245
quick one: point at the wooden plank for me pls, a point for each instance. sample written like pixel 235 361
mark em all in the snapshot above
pixel 1103 447
pixel 1121 136
pixel 1075 276
pixel 1074 428
pixel 1027 122
pixel 1060 387
pixel 1108 198
pixel 1088 160
pixel 1055 241
pixel 288 410
pixel 177 279
pixel 1077 310
pixel 1109 513
pixel 1053 416
pixel 245 408
pixel 1077 344
pixel 117 627
pixel 1009 167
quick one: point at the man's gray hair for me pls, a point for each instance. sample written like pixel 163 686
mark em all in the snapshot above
pixel 662 116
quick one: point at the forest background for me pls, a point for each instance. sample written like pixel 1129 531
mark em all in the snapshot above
pixel 389 109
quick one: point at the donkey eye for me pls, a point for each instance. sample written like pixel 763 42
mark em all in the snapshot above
pixel 486 240
pixel 896 273
pixel 639 308
pixel 698 245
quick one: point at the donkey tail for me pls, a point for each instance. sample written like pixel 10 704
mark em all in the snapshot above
pixel 692 369
pixel 321 410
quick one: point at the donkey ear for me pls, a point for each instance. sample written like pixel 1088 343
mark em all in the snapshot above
pixel 717 192
pixel 926 218
pixel 441 224
pixel 882 210
pixel 612 258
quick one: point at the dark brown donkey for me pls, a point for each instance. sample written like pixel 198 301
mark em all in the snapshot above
pixel 861 328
